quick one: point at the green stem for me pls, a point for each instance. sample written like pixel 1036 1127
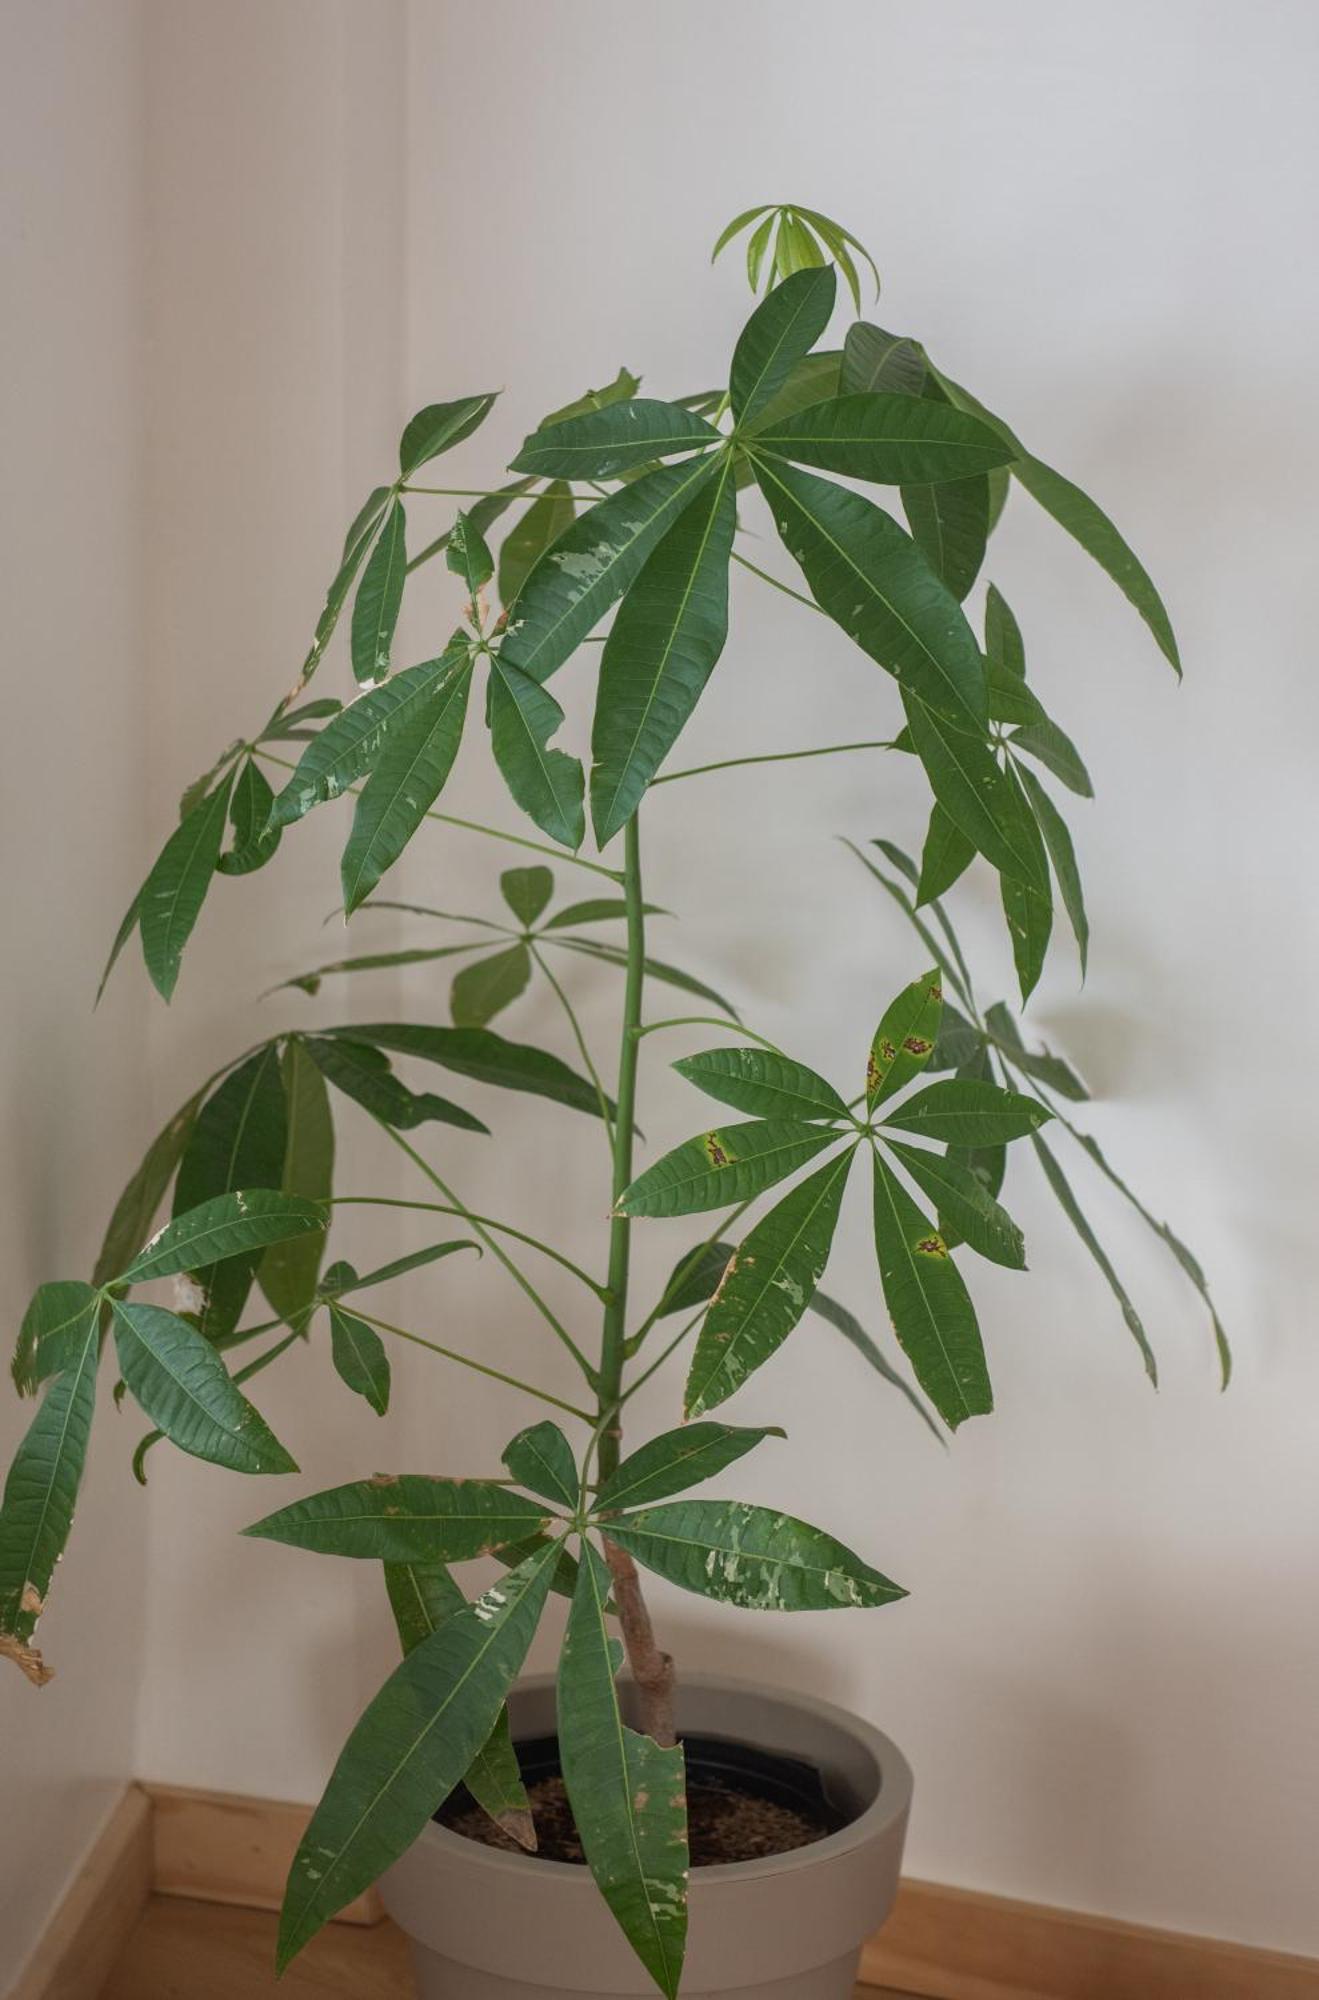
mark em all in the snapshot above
pixel 466 1361
pixel 496 1248
pixel 580 1039
pixel 771 757
pixel 473 826
pixel 486 1221
pixel 787 589
pixel 613 1332
pixel 709 1021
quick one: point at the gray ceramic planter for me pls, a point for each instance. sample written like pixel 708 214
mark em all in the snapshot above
pixel 485 1925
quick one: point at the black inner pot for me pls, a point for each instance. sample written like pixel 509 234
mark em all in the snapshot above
pixel 711 1760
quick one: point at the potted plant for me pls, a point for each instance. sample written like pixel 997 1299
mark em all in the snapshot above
pixel 627 505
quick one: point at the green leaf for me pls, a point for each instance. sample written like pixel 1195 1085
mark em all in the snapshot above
pixel 1003 641
pixel 548 784
pixel 604 443
pixel 238 1141
pixel 364 1074
pixel 766 1287
pixel 597 910
pixel 483 989
pixel 905 1038
pixel 564 1580
pixel 54 1332
pixel 174 891
pixel 813 379
pixel 180 1381
pixel 873 581
pixel 1087 524
pixel 136 1207
pixel 1050 746
pixel 550 515
pixel 694 1278
pixel 422 1596
pixel 847 1323
pixel 661 651
pixel 128 924
pixel 415 758
pixel 739 223
pixel 379 598
pixel 950 523
pixel 751 1556
pixel 359 1357
pixel 255 838
pixel 483 514
pixel 929 1305
pixel 438 428
pixel 1046 1067
pixel 1010 700
pixel 591 565
pixel 628 1795
pixel 291 722
pixel 762 1082
pixel 718 1169
pixel 624 385
pixel 893 439
pixel 655 968
pixel 347 745
pixel 1029 918
pixel 945 857
pixel 526 891
pixel 410 1748
pixel 288 1272
pixel 976 796
pixel 875 360
pixel 540 1458
pixel 1071 1208
pixel 1029 914
pixel 229 1225
pixel 405 1517
pixel 358 540
pixel 677 1460
pixel 342 1278
pixel 373 961
pixel 964 1113
pixel 958 1040
pixel 965 1205
pixel 486 1057
pixel 1189 1263
pixel 468 557
pixel 776 337
pixel 41 1490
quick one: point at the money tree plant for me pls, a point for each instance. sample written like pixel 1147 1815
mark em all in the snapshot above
pixel 627 505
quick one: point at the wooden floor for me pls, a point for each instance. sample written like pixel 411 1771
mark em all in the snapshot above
pixel 203 1951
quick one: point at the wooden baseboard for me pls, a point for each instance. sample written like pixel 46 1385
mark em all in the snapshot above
pixel 219 1847
pixel 951 1944
pixel 939 1944
pixel 99 1913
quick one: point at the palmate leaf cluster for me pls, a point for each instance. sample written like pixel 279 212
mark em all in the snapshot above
pixel 618 541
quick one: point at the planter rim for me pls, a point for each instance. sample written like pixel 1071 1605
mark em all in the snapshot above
pixel 891 1802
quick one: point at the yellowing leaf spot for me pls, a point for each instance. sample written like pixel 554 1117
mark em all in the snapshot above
pixel 931 1246
pixel 917 1045
pixel 715 1150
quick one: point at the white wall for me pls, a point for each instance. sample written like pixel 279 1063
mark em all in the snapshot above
pixel 71 830
pixel 1104 1674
